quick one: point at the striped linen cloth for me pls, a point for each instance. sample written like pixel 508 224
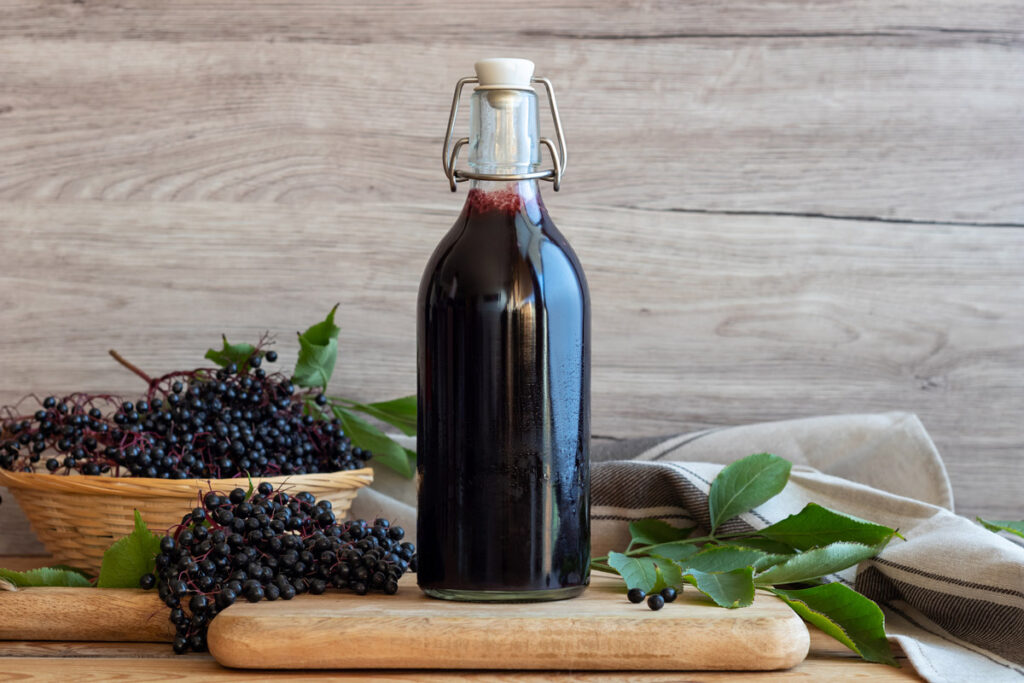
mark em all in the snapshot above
pixel 952 593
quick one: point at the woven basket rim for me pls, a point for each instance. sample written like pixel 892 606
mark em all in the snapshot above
pixel 176 488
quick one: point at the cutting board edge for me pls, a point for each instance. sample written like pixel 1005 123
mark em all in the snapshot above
pixel 766 643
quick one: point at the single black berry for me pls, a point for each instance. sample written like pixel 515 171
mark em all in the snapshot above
pixel 669 594
pixel 254 592
pixel 147 581
pixel 636 595
pixel 656 602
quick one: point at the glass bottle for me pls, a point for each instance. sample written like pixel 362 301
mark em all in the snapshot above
pixel 503 368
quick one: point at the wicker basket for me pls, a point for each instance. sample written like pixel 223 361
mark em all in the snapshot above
pixel 78 517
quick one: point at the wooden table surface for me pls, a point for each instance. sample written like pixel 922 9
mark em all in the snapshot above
pixel 87 661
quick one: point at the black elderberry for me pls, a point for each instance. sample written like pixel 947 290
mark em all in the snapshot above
pixel 147 581
pixel 253 592
pixel 198 603
pixel 655 602
pixel 636 595
pixel 669 594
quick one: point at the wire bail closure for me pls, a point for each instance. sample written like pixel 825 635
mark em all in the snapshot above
pixel 559 155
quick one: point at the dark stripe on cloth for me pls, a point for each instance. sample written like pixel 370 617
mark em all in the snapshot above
pixel 639 484
pixel 949 579
pixel 695 437
pixel 979 652
pixel 623 518
pixel 994 627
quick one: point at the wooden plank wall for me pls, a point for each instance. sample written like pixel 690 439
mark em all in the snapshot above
pixel 784 208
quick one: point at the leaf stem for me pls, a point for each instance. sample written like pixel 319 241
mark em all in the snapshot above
pixel 643 550
pixel 131 366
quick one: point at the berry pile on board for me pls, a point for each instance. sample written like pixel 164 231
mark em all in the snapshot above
pixel 268 545
pixel 219 423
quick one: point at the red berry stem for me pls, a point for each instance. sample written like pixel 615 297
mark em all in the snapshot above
pixel 131 366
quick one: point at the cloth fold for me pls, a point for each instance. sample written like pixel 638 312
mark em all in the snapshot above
pixel 952 593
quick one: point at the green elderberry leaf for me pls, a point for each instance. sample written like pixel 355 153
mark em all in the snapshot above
pixel 846 615
pixel 677 552
pixel 129 558
pixel 318 353
pixel 722 559
pixel 399 413
pixel 745 484
pixel 637 572
pixel 816 526
pixel 47 576
pixel 655 531
pixel 763 544
pixel 364 435
pixel 238 354
pixel 1006 525
pixel 669 574
pixel 815 563
pixel 731 589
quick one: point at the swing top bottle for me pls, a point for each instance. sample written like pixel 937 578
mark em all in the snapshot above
pixel 503 360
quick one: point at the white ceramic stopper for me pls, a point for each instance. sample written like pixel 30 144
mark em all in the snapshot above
pixel 503 72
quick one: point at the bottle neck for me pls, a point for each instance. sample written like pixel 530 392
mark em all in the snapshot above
pixel 503 136
pixel 506 196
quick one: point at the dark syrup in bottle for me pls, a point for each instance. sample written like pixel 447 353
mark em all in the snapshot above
pixel 504 391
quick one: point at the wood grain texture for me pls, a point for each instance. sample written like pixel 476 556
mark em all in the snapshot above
pixel 42 660
pixel 103 614
pixel 783 208
pixel 206 669
pixel 591 632
pixel 877 126
pixel 389 21
pixel 411 631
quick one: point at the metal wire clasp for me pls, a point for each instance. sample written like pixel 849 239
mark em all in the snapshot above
pixel 559 155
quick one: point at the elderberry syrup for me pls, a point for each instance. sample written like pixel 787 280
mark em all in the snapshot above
pixel 504 369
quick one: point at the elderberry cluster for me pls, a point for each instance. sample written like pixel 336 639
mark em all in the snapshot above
pixel 268 546
pixel 196 424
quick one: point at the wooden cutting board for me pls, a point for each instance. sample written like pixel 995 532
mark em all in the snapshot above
pixel 95 614
pixel 600 630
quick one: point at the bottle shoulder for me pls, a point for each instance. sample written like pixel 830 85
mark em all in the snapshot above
pixel 485 254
